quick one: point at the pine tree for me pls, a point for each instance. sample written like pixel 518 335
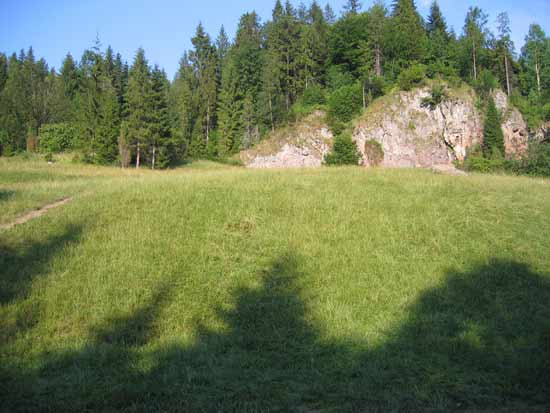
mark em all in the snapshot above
pixel 352 7
pixel 493 137
pixel 532 55
pixel 3 70
pixel 138 98
pixel 203 59
pixel 407 41
pixel 222 44
pixel 160 120
pixel 474 42
pixel 436 24
pixel 504 52
pixel 330 16
pixel 70 77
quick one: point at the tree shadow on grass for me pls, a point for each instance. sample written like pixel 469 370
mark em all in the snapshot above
pixel 6 194
pixel 21 263
pixel 481 340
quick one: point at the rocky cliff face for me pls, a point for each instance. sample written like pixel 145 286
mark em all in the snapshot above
pixel 303 145
pixel 410 133
pixel 415 135
pixel 514 127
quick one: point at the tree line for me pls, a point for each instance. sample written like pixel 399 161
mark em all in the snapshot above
pixel 228 94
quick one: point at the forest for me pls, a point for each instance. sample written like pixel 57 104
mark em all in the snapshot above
pixel 228 94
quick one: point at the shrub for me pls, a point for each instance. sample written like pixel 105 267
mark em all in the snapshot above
pixel 57 137
pixel 538 160
pixel 484 165
pixel 374 152
pixel 411 77
pixel 49 157
pixel 486 83
pixel 344 151
pixel 314 95
pixel 338 78
pixel 344 103
pixel 438 94
pixel 442 69
pixel 493 137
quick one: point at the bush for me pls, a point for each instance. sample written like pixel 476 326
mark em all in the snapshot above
pixel 49 157
pixel 344 152
pixel 374 152
pixel 57 137
pixel 314 95
pixel 493 137
pixel 438 94
pixel 486 83
pixel 345 103
pixel 338 78
pixel 538 160
pixel 411 77
pixel 442 69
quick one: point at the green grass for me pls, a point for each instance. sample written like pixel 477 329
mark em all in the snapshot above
pixel 211 288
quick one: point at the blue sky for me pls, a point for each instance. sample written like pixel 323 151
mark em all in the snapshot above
pixel 164 27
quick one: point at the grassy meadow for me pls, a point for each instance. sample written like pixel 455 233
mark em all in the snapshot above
pixel 211 288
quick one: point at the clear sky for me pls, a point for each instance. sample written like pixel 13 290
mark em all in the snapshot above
pixel 164 27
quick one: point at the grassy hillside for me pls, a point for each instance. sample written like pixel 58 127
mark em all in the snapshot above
pixel 210 288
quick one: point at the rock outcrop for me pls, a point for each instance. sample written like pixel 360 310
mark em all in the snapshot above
pixel 404 129
pixel 514 127
pixel 413 134
pixel 303 145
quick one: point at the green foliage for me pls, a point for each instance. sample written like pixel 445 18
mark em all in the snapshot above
pixel 537 162
pixel 486 83
pixel 412 77
pixel 344 152
pixel 438 94
pixel 314 95
pixel 49 157
pixel 493 137
pixel 374 153
pixel 57 137
pixel 344 103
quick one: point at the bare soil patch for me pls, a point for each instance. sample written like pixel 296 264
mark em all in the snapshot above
pixel 35 214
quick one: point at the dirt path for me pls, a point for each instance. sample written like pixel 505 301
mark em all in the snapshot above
pixel 35 214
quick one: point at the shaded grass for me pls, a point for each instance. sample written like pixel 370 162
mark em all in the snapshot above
pixel 218 289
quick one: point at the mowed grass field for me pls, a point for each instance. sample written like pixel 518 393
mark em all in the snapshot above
pixel 217 289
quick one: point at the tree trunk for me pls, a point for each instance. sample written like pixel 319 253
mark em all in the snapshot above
pixel 138 156
pixel 474 56
pixel 378 63
pixel 271 113
pixel 507 75
pixel 537 71
pixel 153 160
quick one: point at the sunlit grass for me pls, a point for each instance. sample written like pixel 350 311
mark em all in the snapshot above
pixel 211 288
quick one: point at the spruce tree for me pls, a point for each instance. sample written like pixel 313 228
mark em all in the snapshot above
pixel 160 147
pixel 138 98
pixel 474 43
pixel 493 137
pixel 70 77
pixel 352 7
pixel 407 41
pixel 532 56
pixel 3 70
pixel 203 59
pixel 504 49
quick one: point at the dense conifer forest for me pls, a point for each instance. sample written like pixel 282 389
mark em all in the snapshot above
pixel 229 93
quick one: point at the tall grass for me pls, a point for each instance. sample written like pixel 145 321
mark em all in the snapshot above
pixel 223 289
